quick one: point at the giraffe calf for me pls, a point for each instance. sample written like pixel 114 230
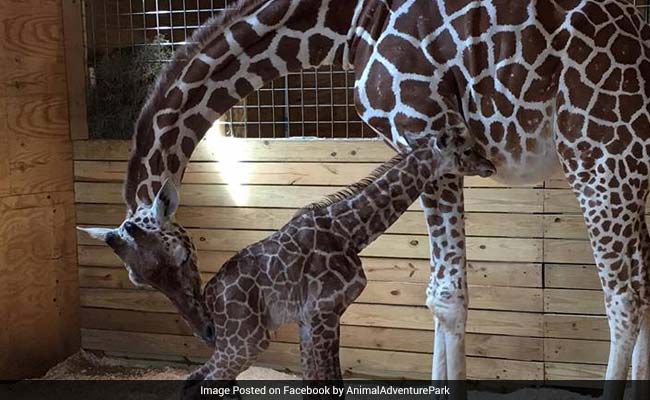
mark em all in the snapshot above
pixel 307 272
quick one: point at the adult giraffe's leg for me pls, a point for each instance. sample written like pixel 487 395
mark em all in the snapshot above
pixel 612 195
pixel 447 294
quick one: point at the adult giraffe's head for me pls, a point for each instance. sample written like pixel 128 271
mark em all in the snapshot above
pixel 156 250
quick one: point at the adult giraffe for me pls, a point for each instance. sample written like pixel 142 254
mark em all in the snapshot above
pixel 530 81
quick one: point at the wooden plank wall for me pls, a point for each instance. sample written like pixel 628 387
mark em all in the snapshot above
pixel 39 300
pixel 536 310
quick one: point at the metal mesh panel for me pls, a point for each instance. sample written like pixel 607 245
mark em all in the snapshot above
pixel 121 33
pixel 311 103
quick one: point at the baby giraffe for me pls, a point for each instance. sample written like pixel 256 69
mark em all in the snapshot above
pixel 307 272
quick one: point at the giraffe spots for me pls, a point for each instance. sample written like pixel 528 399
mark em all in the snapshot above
pixel 560 40
pixel 194 97
pixel 579 93
pixel 339 16
pixel 220 101
pixel 513 76
pixel 604 35
pixel 421 18
pixel 156 163
pixel 542 89
pixel 197 123
pixel 261 45
pixel 641 127
pixel 600 133
pixel 169 138
pixel 568 4
pixel 629 105
pixel 408 125
pixel 288 50
pixel 511 12
pixel 244 34
pixel 143 194
pixel 497 131
pixel 264 69
pixel 529 120
pixel 243 87
pixel 274 12
pixel 381 124
pixel 319 48
pixel 173 163
pixel 173 99
pixel 505 46
pixel 453 6
pixel 533 43
pixel 582 24
pixel 513 143
pixel 226 70
pixel 626 50
pixel 217 48
pixel 165 120
pixel 407 58
pixel 595 13
pixel 598 66
pixel 570 125
pixel 631 81
pixel 613 81
pixel 196 72
pixel 442 49
pixel 604 108
pixel 379 88
pixel 473 23
pixel 418 95
pixel 475 58
pixel 305 16
pixel 549 16
pixel 187 146
pixel 486 88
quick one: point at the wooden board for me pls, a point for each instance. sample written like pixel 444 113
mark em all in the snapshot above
pixel 574 301
pixel 477 223
pixel 354 361
pixel 73 29
pixel 414 246
pixel 379 269
pixel 476 199
pixel 417 341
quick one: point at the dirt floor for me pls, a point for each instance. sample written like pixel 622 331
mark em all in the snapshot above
pixel 86 366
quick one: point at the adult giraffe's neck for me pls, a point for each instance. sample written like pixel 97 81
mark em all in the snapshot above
pixel 367 214
pixel 228 58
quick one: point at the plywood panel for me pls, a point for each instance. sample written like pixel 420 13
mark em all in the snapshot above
pixel 39 144
pixel 418 341
pixel 379 269
pixel 354 361
pixel 38 294
pixel 414 246
pixel 576 327
pixel 477 224
pixel 571 276
pixel 476 199
pixel 574 301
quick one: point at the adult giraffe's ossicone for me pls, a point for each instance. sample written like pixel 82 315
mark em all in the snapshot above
pixel 531 81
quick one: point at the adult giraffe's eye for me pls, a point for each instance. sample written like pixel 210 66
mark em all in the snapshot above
pixel 132 229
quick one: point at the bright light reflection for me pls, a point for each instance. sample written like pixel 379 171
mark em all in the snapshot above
pixel 230 152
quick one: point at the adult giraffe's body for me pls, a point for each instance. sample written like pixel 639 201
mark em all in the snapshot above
pixel 528 80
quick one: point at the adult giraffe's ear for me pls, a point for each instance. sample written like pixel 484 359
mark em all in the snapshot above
pixel 166 202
